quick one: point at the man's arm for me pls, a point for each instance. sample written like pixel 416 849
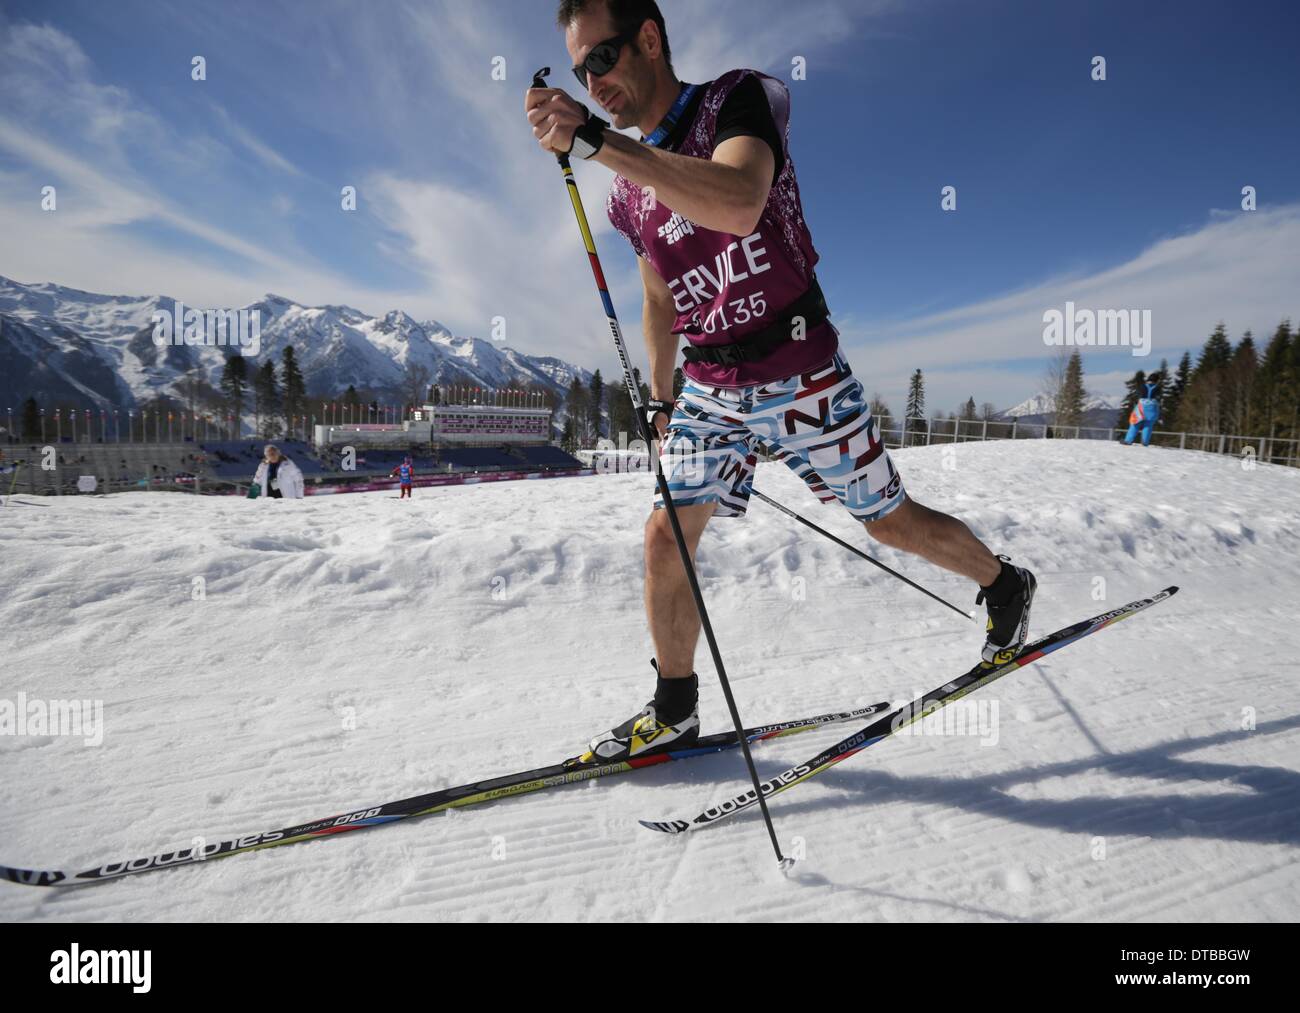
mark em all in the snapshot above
pixel 727 194
pixel 657 317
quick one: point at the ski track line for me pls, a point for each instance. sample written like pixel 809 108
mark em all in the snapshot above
pixel 498 886
pixel 725 789
pixel 979 832
pixel 852 858
pixel 1248 907
pixel 1161 895
pixel 974 817
pixel 145 795
pixel 1154 895
pixel 679 863
pixel 884 901
pixel 941 886
pixel 464 875
pixel 982 884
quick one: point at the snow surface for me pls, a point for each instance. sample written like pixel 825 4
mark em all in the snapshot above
pixel 483 630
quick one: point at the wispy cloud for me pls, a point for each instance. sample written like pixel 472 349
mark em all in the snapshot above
pixel 217 195
pixel 131 210
pixel 268 155
pixel 506 245
pixel 765 35
pixel 1239 267
pixel 469 215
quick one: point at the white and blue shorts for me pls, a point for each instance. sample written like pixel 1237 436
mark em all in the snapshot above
pixel 817 423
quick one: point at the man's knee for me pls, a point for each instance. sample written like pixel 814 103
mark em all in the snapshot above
pixel 892 528
pixel 661 552
pixel 661 543
pixel 658 535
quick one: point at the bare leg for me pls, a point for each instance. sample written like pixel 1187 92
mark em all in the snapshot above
pixel 670 607
pixel 943 540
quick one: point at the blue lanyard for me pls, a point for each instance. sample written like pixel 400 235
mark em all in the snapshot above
pixel 674 114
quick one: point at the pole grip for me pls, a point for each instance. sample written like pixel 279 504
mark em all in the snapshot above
pixel 539 81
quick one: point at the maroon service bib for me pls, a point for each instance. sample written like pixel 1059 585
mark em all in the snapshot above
pixel 726 286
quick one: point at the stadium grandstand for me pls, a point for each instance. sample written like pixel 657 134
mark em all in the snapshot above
pixel 448 444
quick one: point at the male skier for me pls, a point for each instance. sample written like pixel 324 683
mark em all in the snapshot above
pixel 405 472
pixel 709 202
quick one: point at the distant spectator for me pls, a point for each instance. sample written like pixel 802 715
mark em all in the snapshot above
pixel 277 477
pixel 405 472
pixel 1145 415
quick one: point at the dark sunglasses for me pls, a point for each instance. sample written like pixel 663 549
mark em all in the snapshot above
pixel 603 56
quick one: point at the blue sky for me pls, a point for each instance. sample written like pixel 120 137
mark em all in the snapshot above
pixel 1119 194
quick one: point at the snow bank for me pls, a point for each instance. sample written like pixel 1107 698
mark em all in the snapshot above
pixel 264 662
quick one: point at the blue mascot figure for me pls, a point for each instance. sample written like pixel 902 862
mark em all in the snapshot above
pixel 1145 415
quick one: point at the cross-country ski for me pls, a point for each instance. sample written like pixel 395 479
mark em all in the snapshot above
pixel 980 675
pixel 572 771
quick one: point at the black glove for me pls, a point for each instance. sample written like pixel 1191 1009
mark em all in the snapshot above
pixel 653 408
pixel 589 138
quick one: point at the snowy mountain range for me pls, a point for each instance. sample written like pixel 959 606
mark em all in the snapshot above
pixel 62 344
pixel 1045 404
pixel 65 345
pixel 1099 412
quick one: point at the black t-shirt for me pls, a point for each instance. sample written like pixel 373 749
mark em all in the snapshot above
pixel 744 113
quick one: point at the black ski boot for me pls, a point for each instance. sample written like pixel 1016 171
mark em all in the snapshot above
pixel 670 721
pixel 1008 600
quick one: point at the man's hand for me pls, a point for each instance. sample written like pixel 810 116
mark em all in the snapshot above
pixel 663 411
pixel 554 116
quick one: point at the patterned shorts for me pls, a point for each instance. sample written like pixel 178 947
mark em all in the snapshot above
pixel 817 423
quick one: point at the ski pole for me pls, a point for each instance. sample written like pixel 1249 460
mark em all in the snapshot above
pixel 539 81
pixel 858 552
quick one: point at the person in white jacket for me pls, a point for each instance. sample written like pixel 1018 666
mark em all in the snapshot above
pixel 278 477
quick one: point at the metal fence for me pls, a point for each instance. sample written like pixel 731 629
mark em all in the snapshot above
pixel 61 469
pixel 922 432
